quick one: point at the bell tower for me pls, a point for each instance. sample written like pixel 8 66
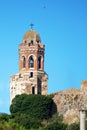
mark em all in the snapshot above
pixel 31 53
pixel 31 78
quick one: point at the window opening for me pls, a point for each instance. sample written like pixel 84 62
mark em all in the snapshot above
pixel 31 62
pixel 31 41
pixel 33 90
pixel 31 74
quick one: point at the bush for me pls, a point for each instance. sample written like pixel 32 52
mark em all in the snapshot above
pixel 56 118
pixel 4 117
pixel 73 126
pixel 35 106
pixel 56 126
pixel 26 121
pixel 10 125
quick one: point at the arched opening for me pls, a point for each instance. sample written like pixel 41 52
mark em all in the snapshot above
pixel 39 62
pixel 31 62
pixel 39 86
pixel 24 61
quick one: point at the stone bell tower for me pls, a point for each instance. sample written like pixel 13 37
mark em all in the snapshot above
pixel 31 78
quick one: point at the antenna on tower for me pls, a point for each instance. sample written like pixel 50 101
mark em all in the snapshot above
pixel 31 25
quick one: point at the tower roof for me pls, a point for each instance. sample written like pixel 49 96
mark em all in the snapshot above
pixel 32 35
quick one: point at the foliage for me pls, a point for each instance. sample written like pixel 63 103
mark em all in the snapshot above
pixel 56 126
pixel 55 123
pixel 56 118
pixel 16 103
pixel 35 106
pixel 10 125
pixel 33 112
pixel 26 121
pixel 4 117
pixel 73 126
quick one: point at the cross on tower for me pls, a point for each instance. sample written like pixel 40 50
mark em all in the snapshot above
pixel 31 25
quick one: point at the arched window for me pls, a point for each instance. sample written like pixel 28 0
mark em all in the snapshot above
pixel 39 62
pixel 31 62
pixel 24 62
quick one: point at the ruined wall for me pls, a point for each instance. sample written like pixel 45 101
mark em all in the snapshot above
pixel 22 83
pixel 69 102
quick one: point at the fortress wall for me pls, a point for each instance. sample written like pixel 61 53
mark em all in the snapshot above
pixel 69 102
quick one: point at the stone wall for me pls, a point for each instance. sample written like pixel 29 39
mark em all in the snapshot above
pixel 70 101
pixel 22 83
pixel 31 78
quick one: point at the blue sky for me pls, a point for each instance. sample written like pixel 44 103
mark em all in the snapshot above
pixel 62 25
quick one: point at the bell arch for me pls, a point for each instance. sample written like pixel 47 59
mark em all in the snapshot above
pixel 31 61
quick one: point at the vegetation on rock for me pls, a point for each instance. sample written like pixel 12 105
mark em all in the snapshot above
pixel 33 112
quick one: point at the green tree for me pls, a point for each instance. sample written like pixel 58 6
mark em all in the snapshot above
pixel 17 103
pixel 35 106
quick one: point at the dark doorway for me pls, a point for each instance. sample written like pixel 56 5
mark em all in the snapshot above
pixel 33 90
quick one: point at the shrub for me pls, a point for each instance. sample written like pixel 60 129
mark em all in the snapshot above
pixel 56 126
pixel 10 125
pixel 4 117
pixel 35 106
pixel 56 118
pixel 26 121
pixel 73 126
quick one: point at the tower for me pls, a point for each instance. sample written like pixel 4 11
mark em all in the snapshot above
pixel 31 78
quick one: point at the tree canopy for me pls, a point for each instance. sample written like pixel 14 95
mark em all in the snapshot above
pixel 36 106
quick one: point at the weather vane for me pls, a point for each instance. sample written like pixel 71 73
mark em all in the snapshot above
pixel 31 25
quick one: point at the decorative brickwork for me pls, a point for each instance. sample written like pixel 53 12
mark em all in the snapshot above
pixel 31 78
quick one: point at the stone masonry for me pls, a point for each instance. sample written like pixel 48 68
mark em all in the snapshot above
pixel 71 101
pixel 31 79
